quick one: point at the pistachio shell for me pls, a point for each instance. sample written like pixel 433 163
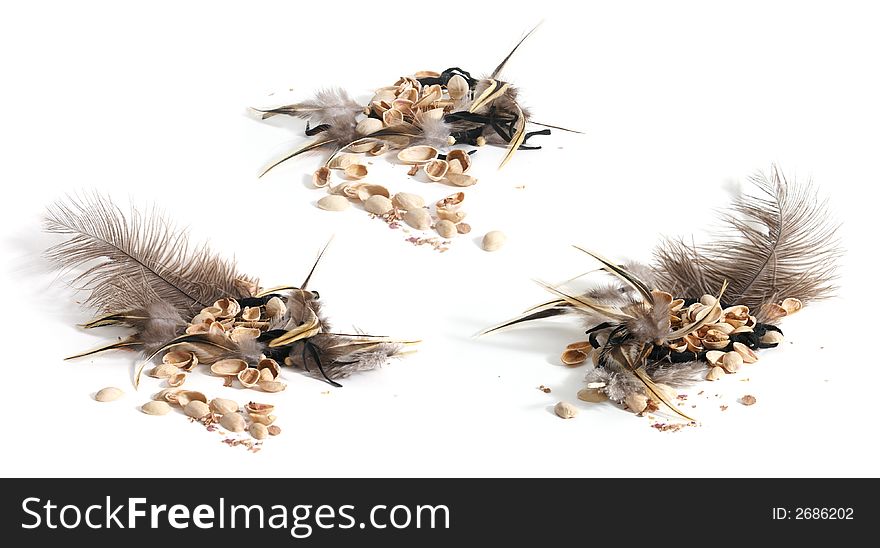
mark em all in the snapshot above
pixel 453 216
pixel 722 327
pixel 368 126
pixel 342 161
pixel 241 334
pixel 407 201
pixel 156 408
pixel 772 337
pixel 268 364
pixel 462 159
pixel 272 386
pixel 258 431
pixel 461 179
pixel 266 375
pixel 565 410
pixel 233 422
pixel 181 359
pixel 275 307
pixel 436 169
pixel 451 202
pixel 714 357
pixel 167 395
pixel 250 314
pixel 196 409
pixel 773 312
pixel 731 362
pixel 229 308
pixel 417 155
pixel 223 406
pixel 493 240
pixel 108 394
pixel 321 177
pixel 574 356
pixel 392 117
pixel 715 373
pixel 463 228
pixel 445 228
pixel 333 203
pixel 274 430
pixel 365 191
pixel 163 371
pixel 457 87
pixel 262 419
pixel 363 145
pixel 748 355
pixel 356 171
pixel 418 218
pixel 378 205
pixel 177 379
pixel 249 377
pixel 186 396
pixel 636 402
pixel 259 408
pixel 591 395
pixel 792 305
pixel 742 329
pixel 228 367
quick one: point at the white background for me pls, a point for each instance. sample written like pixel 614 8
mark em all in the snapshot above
pixel 679 101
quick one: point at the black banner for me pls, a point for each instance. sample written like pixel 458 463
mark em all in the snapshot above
pixel 434 512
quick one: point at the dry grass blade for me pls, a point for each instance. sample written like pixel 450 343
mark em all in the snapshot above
pixel 517 138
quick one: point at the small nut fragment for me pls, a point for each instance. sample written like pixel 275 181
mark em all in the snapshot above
pixel 196 409
pixel 445 228
pixel 463 228
pixel 108 394
pixel 333 203
pixel 772 337
pixel 731 362
pixel 748 355
pixel 419 219
pixel 223 406
pixel 272 386
pixel 233 422
pixel 378 205
pixel 156 408
pixel 748 400
pixel 258 431
pixel 274 430
pixel 493 240
pixel 715 373
pixel 636 402
pixel 565 410
pixel 407 201
pixel 591 395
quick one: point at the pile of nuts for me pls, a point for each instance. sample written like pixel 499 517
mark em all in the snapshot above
pixel 228 319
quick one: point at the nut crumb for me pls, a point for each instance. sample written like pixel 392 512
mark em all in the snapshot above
pixel 748 399
pixel 544 389
pixel 724 408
